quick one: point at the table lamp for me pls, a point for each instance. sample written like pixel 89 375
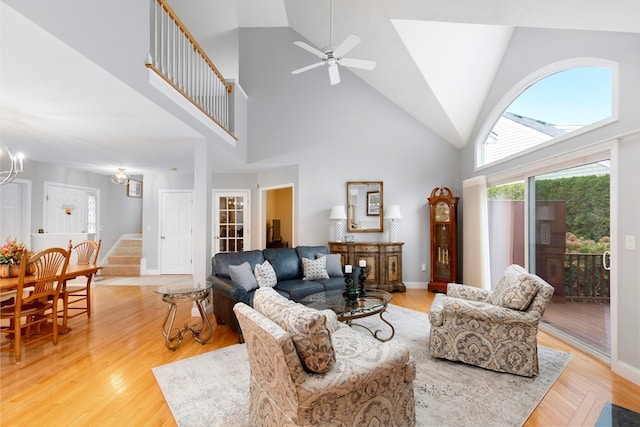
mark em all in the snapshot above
pixel 393 213
pixel 338 213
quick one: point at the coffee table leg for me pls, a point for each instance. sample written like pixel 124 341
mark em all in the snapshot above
pixel 393 330
pixel 377 331
pixel 166 331
pixel 205 322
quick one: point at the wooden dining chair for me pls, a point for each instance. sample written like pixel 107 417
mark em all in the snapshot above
pixel 39 306
pixel 76 297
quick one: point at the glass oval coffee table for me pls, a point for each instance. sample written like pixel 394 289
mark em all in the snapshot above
pixel 349 309
pixel 185 292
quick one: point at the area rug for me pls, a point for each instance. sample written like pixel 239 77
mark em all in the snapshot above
pixel 212 389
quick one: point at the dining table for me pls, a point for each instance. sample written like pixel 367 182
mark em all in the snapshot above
pixel 73 271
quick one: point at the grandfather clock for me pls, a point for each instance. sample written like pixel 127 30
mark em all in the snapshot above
pixel 444 240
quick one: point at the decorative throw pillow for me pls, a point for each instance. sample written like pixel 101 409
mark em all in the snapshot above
pixel 265 275
pixel 315 268
pixel 306 326
pixel 516 288
pixel 242 275
pixel 334 264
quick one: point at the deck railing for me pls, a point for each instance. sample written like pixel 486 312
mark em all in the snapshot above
pixel 178 59
pixel 586 278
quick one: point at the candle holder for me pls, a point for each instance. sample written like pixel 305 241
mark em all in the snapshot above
pixel 348 278
pixel 361 279
pixel 350 290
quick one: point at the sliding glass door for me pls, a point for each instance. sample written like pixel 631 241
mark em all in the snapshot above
pixel 570 235
pixel 566 224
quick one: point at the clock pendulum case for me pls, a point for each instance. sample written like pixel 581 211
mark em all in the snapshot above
pixel 443 239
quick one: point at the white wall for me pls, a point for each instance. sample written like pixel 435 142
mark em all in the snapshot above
pixel 335 134
pixel 627 264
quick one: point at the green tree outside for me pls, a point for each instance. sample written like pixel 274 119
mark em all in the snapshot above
pixel 587 202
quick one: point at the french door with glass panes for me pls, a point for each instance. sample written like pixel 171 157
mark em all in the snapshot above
pixel 231 221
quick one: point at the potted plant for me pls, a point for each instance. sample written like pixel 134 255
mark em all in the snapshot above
pixel 11 254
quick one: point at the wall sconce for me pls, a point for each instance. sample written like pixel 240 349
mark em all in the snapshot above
pixel 13 167
pixel 120 177
pixel 338 213
pixel 393 213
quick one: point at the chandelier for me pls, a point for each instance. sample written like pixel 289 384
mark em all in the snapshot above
pixel 10 169
pixel 120 177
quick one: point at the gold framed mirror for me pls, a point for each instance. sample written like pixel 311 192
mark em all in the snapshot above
pixel 365 207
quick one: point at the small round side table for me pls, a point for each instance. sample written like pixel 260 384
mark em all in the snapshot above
pixel 186 292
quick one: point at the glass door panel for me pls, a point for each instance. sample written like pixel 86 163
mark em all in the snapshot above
pixel 230 227
pixel 569 233
pixel 567 213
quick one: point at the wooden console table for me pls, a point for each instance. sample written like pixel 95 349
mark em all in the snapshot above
pixel 384 261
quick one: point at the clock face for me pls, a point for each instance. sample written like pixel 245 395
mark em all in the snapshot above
pixel 442 212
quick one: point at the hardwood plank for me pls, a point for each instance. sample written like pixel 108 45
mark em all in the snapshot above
pixel 589 411
pixel 100 373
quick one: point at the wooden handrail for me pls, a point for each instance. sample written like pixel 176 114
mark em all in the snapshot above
pixel 158 72
pixel 193 41
pixel 178 59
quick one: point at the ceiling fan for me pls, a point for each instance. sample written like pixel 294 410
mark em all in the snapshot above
pixel 334 57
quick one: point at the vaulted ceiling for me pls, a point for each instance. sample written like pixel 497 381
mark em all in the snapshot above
pixel 436 59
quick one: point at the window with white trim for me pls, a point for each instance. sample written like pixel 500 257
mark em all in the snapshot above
pixel 548 109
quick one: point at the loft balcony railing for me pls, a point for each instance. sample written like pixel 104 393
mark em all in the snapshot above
pixel 180 61
pixel 585 278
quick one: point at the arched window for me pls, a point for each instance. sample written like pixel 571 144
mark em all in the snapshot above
pixel 551 106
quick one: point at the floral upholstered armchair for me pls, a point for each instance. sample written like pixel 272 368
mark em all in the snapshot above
pixel 492 329
pixel 308 369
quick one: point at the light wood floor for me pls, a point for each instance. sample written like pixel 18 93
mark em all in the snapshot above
pixel 100 373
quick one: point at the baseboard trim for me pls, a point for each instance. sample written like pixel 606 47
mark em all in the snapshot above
pixel 627 371
pixel 416 285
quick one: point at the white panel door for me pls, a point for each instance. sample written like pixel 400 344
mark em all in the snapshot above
pixel 11 213
pixel 66 209
pixel 176 221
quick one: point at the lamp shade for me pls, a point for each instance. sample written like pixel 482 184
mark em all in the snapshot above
pixel 338 212
pixel 393 212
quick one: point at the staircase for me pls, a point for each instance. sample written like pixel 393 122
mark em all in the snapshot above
pixel 124 259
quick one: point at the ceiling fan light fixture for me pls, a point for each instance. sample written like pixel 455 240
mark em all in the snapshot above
pixel 120 177
pixel 334 57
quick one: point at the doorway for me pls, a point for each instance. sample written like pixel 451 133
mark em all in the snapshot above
pixel 232 217
pixel 278 219
pixel 176 237
pixel 15 210
pixel 569 240
pixel 563 235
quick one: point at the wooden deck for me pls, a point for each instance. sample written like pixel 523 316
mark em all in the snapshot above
pixel 587 322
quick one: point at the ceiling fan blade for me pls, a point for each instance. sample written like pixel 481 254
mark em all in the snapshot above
pixel 308 67
pixel 357 63
pixel 334 74
pixel 311 49
pixel 348 44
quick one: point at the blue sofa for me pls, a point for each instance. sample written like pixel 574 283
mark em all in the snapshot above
pixel 287 263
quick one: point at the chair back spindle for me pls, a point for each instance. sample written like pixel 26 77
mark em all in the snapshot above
pixel 87 251
pixel 50 265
